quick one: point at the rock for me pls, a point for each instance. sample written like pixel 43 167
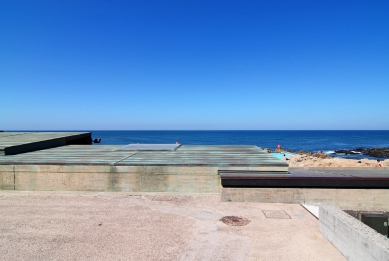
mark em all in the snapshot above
pixel 377 152
pixel 347 152
pixel 311 161
pixel 373 152
pixel 321 155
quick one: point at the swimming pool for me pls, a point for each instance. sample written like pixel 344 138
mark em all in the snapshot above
pixel 280 155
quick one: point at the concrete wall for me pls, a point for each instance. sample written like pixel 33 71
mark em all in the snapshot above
pixel 354 240
pixel 7 177
pixel 110 178
pixel 350 198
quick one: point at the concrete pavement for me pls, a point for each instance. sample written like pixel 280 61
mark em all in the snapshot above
pixel 120 226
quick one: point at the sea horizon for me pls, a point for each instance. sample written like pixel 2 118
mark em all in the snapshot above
pixel 327 141
pixel 88 130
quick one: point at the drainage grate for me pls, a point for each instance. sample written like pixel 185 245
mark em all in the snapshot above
pixel 280 214
pixel 162 198
pixel 235 221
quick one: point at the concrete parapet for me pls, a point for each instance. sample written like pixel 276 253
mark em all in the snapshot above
pixel 7 180
pixel 255 168
pixel 350 198
pixel 354 240
pixel 189 179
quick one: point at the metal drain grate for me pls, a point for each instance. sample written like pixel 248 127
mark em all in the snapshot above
pixel 280 214
pixel 235 221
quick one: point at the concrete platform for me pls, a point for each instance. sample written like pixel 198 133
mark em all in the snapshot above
pixel 355 240
pixel 247 173
pixel 188 169
pixel 128 226
pixel 352 187
pixel 346 198
pixel 357 178
pixel 12 143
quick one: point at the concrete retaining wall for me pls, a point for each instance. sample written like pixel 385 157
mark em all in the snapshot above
pixel 110 178
pixel 350 198
pixel 354 240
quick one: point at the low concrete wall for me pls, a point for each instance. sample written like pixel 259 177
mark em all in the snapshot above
pixel 354 240
pixel 350 198
pixel 110 178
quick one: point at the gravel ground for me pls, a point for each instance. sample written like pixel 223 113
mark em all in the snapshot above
pixel 109 226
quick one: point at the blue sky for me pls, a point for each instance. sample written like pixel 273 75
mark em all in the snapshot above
pixel 194 65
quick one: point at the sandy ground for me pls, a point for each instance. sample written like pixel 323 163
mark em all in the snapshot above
pixel 100 226
pixel 311 161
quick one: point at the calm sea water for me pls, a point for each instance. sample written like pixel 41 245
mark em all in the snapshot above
pixel 326 141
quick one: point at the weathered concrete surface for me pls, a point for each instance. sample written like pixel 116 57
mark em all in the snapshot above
pixel 355 240
pixel 224 157
pixel 341 171
pixel 12 143
pixel 116 226
pixel 110 178
pixel 192 169
pixel 349 198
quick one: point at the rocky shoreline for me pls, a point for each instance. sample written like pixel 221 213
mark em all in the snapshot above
pixel 320 159
pixel 373 152
pixel 313 160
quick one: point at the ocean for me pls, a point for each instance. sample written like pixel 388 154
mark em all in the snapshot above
pixel 314 141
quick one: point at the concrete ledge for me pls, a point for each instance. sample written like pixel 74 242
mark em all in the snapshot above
pixel 21 142
pixel 350 198
pixel 110 178
pixel 354 240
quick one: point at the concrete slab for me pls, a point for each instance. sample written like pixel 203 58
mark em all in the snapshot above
pixel 12 143
pixel 314 210
pixel 191 169
pixel 348 198
pixel 355 240
pixel 149 147
pixel 340 172
pixel 310 178
pixel 101 226
pixel 221 156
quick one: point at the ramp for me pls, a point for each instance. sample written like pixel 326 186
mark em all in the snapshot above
pixel 12 143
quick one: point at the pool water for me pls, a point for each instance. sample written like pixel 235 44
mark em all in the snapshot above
pixel 281 155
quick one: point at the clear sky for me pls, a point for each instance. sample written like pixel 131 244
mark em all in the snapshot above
pixel 194 65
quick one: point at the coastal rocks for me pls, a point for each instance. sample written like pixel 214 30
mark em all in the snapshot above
pixel 305 160
pixel 373 152
pixel 321 155
pixel 377 152
pixel 267 150
pixel 347 152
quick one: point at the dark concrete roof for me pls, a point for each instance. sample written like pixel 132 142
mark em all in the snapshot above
pixel 250 156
